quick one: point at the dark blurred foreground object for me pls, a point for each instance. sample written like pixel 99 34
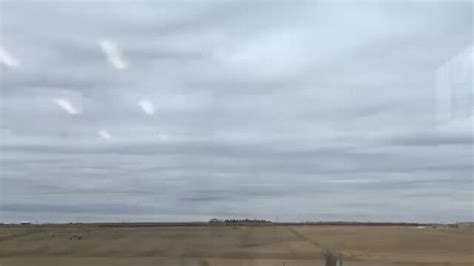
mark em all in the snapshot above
pixel 332 259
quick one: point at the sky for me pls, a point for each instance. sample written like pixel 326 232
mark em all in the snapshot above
pixel 189 110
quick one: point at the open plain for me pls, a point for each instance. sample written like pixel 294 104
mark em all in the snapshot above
pixel 234 245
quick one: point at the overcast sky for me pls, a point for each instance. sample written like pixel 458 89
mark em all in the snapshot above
pixel 184 111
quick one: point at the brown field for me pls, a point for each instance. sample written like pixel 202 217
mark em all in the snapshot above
pixel 234 245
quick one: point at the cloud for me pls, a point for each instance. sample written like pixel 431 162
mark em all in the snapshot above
pixel 8 59
pixel 163 137
pixel 462 137
pixel 455 92
pixel 113 54
pixel 146 106
pixel 66 105
pixel 104 134
pixel 318 105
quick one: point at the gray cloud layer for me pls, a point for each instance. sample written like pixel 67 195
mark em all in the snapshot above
pixel 310 111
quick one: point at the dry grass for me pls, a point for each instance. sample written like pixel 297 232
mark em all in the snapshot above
pixel 234 245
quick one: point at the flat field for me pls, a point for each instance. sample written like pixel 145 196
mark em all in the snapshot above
pixel 234 245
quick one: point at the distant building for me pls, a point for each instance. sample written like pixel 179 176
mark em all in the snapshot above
pixel 214 220
pixel 466 225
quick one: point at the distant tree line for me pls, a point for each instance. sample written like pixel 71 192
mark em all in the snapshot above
pixel 239 221
pixel 332 223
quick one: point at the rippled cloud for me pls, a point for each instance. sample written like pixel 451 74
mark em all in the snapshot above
pixel 185 111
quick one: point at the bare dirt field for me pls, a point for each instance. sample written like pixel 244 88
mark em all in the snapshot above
pixel 234 245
